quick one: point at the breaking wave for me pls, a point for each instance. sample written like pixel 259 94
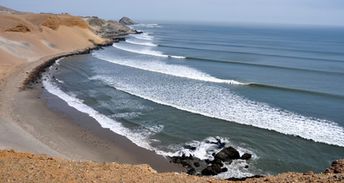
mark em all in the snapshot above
pixel 163 68
pixel 141 43
pixel 222 103
pixel 145 51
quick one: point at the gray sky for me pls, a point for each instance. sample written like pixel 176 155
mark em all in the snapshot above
pixel 314 12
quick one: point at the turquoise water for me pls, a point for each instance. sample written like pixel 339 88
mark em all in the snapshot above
pixel 277 93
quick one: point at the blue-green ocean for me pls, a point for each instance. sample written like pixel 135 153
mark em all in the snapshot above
pixel 275 92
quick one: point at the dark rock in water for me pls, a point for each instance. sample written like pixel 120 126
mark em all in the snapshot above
pixel 127 21
pixel 138 32
pixel 192 164
pixel 191 171
pixel 218 162
pixel 196 164
pixel 227 154
pixel 224 169
pixel 218 142
pixel 116 40
pixel 186 161
pixel 211 166
pixel 208 171
pixel 190 147
pixel 246 156
pixel 212 170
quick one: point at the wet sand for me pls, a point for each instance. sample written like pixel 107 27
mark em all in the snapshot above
pixel 115 147
pixel 54 128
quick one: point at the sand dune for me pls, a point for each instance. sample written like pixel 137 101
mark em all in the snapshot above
pixel 28 37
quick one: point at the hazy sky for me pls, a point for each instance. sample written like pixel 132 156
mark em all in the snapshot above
pixel 315 12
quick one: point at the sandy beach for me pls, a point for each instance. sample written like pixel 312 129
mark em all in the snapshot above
pixel 60 135
pixel 28 125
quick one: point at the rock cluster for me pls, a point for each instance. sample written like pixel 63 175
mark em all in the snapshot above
pixel 108 29
pixel 209 167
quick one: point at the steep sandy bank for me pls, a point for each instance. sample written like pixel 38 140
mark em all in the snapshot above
pixel 28 37
pixel 26 40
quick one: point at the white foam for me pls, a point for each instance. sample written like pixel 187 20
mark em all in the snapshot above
pixel 147 25
pixel 140 138
pixel 163 68
pixel 145 51
pixel 220 102
pixel 141 43
pixel 143 36
pixel 235 169
pixel 60 81
pixel 205 148
pixel 57 62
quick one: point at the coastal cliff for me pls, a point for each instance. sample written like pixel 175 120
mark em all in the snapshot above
pixel 108 29
pixel 26 37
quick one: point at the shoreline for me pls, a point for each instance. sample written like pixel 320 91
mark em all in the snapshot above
pixel 93 128
pixel 57 134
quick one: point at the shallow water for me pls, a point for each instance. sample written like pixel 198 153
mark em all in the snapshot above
pixel 274 92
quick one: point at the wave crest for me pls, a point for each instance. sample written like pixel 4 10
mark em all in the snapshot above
pixel 145 51
pixel 141 43
pixel 221 103
pixel 143 36
pixel 163 68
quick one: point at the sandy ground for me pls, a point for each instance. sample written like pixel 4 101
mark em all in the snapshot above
pixel 20 52
pixel 25 167
pixel 64 136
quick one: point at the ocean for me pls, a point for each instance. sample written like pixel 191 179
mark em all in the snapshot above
pixel 274 92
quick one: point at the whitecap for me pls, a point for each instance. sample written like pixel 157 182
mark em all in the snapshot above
pixel 145 51
pixel 163 68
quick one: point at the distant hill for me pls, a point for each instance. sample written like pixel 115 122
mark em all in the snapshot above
pixel 3 8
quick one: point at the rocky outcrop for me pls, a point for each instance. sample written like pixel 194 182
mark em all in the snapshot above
pixel 227 154
pixel 55 21
pixel 108 29
pixel 126 21
pixel 18 28
pixel 209 167
pixel 246 156
pixel 336 167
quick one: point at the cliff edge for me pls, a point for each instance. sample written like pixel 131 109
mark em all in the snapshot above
pixel 27 167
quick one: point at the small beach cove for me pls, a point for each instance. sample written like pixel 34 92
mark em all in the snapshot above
pixel 36 116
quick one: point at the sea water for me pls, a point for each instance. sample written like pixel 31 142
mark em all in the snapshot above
pixel 274 92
